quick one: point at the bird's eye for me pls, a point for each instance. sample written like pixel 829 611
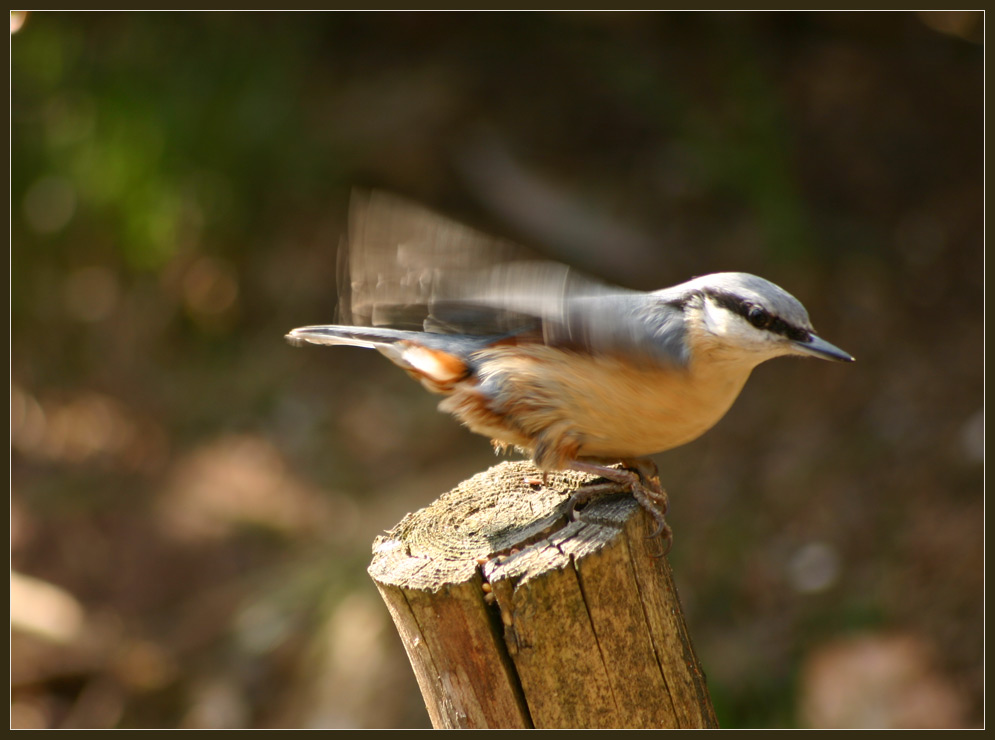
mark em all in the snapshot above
pixel 758 317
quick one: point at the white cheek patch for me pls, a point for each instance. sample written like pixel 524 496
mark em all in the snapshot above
pixel 718 321
pixel 733 328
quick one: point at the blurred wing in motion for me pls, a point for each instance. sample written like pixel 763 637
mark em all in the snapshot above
pixel 406 267
pixel 401 260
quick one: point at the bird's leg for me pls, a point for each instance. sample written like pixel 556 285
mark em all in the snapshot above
pixel 643 483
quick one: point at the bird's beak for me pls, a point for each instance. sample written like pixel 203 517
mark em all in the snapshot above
pixel 822 349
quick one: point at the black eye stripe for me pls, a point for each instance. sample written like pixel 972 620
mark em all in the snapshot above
pixel 757 316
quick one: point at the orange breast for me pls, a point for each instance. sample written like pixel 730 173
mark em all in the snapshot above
pixel 565 404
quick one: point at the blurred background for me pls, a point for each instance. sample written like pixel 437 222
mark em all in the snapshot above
pixel 193 501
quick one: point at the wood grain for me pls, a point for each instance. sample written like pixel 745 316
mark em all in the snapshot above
pixel 514 615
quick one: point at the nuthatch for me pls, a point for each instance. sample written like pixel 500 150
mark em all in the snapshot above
pixel 575 373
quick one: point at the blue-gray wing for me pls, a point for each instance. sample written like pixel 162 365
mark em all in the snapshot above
pixel 406 267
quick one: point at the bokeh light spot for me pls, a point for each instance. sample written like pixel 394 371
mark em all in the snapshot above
pixel 90 294
pixel 814 567
pixel 49 204
pixel 69 118
pixel 973 437
pixel 17 20
pixel 209 287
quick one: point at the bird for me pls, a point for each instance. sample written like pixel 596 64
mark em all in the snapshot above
pixel 576 373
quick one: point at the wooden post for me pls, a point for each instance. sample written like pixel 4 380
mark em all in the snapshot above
pixel 513 616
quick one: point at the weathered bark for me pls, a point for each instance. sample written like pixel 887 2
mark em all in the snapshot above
pixel 514 616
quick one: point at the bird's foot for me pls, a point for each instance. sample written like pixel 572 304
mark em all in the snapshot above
pixel 642 481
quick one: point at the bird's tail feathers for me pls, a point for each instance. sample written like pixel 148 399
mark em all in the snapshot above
pixel 437 360
pixel 353 336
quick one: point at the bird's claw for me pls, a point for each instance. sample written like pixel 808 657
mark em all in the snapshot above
pixel 653 499
pixel 644 484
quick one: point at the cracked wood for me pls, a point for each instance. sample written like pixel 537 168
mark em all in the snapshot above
pixel 578 625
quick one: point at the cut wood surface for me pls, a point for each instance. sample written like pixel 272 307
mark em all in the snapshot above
pixel 513 615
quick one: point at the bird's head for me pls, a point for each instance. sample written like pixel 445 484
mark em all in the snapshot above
pixel 745 316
